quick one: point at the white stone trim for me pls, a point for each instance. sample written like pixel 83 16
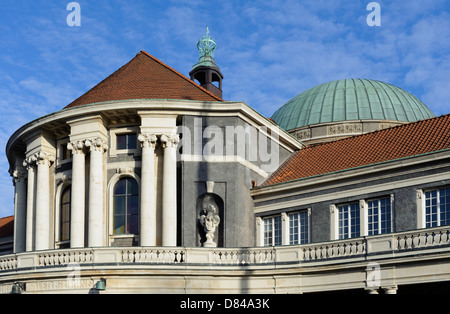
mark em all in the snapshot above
pixel 225 159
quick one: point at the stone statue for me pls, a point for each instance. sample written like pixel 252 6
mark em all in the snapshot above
pixel 209 220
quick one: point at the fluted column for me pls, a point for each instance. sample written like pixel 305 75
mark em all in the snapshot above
pixel 43 161
pixel 147 230
pixel 29 163
pixel 95 223
pixel 169 192
pixel 20 210
pixel 77 202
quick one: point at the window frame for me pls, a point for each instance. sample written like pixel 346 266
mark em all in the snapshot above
pixel 114 132
pixel 302 223
pixel 390 203
pixel 126 209
pixel 438 205
pixel 276 235
pixel 347 232
pixel 67 221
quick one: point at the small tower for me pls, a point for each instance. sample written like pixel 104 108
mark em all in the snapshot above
pixel 206 71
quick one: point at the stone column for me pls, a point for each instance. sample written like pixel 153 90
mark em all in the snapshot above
pixel 43 161
pixel 77 202
pixel 147 229
pixel 29 163
pixel 95 225
pixel 20 210
pixel 169 192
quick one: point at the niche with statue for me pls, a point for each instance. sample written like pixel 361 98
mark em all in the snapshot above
pixel 210 220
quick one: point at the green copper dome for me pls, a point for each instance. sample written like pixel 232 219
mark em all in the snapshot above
pixel 350 99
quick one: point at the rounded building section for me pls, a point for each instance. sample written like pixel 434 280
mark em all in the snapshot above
pixel 348 107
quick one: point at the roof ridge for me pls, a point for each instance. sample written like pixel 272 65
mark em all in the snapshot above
pixel 180 74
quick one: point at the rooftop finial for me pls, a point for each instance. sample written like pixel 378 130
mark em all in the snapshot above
pixel 206 45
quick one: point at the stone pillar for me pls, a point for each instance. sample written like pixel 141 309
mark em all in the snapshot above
pixel 169 190
pixel 147 229
pixel 95 226
pixel 77 202
pixel 29 163
pixel 20 210
pixel 43 161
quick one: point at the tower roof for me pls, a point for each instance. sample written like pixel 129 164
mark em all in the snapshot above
pixel 144 77
pixel 350 99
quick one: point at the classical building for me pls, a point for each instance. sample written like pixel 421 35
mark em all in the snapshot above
pixel 150 182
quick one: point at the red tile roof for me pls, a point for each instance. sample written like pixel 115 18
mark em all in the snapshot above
pixel 144 77
pixel 398 142
pixel 7 227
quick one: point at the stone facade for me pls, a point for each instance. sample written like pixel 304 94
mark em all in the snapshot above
pixel 173 174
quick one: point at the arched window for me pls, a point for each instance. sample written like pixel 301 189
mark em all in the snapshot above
pixel 65 214
pixel 126 206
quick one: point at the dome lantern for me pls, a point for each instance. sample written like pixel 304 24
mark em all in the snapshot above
pixel 206 71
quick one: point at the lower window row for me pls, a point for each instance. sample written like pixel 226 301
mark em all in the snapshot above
pixel 354 219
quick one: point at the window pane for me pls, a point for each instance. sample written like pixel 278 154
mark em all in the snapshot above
pixel 278 236
pixel 132 187
pixel 444 206
pixel 65 215
pixel 132 141
pixel 119 205
pixel 121 187
pixel 121 141
pixel 267 231
pixel 294 228
pixel 133 205
pixel 355 221
pixel 119 224
pixel 431 209
pixel 133 224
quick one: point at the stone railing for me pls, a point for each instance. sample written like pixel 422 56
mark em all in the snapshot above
pixel 364 248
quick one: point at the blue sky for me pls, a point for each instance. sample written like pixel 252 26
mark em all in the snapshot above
pixel 268 51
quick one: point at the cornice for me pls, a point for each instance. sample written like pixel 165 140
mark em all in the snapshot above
pixel 158 106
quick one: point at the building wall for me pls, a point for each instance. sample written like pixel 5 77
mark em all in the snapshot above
pixel 402 181
pixel 230 179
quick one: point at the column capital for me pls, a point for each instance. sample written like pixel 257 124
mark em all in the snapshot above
pixel 147 139
pixel 29 162
pixel 96 144
pixel 170 140
pixel 77 147
pixel 43 158
pixel 18 175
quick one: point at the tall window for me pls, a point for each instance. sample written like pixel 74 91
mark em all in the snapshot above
pixel 349 221
pixel 126 141
pixel 126 206
pixel 379 216
pixel 437 207
pixel 298 228
pixel 272 231
pixel 64 230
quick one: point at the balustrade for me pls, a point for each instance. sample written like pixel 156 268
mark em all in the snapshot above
pixel 358 248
